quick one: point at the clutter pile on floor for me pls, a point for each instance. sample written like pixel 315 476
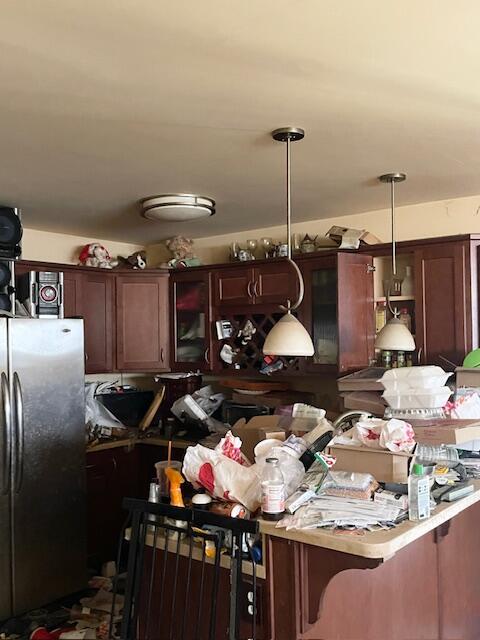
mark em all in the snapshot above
pixel 88 616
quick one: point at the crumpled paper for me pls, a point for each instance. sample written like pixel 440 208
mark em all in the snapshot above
pixel 375 433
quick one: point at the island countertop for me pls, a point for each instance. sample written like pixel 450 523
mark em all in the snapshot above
pixel 381 544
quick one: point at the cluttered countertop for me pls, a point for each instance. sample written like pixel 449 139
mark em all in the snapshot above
pixel 343 486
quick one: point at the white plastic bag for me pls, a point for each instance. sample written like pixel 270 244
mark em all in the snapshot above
pixel 96 415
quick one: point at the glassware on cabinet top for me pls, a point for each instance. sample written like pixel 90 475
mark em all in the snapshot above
pixel 267 244
pixel 252 247
pixel 234 250
pixel 408 285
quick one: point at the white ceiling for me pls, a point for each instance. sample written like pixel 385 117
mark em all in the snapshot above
pixel 103 102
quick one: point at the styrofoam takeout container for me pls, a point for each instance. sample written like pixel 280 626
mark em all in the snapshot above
pixel 408 378
pixel 418 398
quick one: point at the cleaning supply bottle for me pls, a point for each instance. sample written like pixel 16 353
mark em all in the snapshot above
pixel 273 490
pixel 418 494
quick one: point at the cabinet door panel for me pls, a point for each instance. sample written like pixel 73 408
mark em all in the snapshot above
pixel 142 322
pixel 233 287
pixel 97 312
pixel 190 318
pixel 72 293
pixel 443 314
pixel 356 325
pixel 275 283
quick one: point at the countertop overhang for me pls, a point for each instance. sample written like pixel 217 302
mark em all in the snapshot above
pixel 380 545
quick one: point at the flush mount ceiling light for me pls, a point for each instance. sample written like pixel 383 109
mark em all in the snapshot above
pixel 395 335
pixel 289 337
pixel 177 207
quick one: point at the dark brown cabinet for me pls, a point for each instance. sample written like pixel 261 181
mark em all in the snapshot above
pixel 142 322
pixel 112 475
pixel 191 335
pixel 72 293
pixel 443 303
pixel 337 310
pixel 266 283
pixel 97 309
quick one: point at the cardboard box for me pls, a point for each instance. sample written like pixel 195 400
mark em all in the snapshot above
pixel 446 431
pixel 256 429
pixel 265 427
pixel 467 377
pixel 384 465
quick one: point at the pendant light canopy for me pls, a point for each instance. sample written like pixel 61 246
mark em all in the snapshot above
pixel 289 337
pixel 394 336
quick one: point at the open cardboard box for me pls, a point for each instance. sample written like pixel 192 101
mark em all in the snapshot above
pixel 384 465
pixel 264 427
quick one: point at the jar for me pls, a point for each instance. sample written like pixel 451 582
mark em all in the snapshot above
pixel 387 359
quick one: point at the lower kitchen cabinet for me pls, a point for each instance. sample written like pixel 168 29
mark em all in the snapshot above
pixel 112 475
pixel 142 322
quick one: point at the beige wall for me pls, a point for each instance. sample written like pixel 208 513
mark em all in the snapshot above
pixel 59 247
pixel 446 217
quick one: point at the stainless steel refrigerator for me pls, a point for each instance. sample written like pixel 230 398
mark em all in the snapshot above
pixel 42 462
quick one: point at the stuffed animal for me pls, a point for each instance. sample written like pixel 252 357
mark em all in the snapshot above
pixel 137 260
pixel 95 255
pixel 182 250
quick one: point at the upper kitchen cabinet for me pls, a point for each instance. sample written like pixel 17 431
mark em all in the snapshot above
pixel 190 320
pixel 438 295
pixel 97 309
pixel 337 310
pixel 446 302
pixel 142 322
pixel 266 283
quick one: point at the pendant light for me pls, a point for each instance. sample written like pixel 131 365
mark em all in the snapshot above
pixel 395 335
pixel 289 337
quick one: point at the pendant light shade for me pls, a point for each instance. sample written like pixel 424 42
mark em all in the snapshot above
pixel 288 338
pixel 395 335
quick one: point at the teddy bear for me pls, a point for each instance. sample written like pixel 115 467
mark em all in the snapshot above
pixel 95 255
pixel 182 250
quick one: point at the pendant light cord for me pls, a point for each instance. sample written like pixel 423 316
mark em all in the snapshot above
pixel 301 286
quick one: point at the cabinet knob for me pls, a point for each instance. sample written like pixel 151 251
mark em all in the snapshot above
pixel 162 355
pixel 206 355
pixel 255 289
pixel 249 289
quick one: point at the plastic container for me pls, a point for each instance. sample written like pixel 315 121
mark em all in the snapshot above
pixel 418 398
pixel 404 379
pixel 418 494
pixel 163 484
pixel 273 490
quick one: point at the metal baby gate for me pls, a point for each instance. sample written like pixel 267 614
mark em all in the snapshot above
pixel 177 583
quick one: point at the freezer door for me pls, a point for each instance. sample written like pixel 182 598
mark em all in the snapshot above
pixel 48 494
pixel 5 480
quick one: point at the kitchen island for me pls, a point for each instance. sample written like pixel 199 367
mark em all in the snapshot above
pixel 419 581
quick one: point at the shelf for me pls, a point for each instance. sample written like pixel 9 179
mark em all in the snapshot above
pixel 394 299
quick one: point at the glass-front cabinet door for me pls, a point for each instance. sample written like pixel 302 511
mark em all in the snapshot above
pixel 190 303
pixel 338 311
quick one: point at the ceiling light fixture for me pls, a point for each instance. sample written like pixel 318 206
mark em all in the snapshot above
pixel 177 207
pixel 395 335
pixel 289 337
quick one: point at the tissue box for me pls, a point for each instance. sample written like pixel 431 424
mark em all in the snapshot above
pixel 384 465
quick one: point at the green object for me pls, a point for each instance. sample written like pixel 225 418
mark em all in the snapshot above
pixel 417 469
pixel 472 359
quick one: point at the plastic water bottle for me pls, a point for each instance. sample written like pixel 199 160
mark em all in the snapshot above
pixel 418 494
pixel 273 490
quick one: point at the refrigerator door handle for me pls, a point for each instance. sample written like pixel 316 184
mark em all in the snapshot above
pixel 7 434
pixel 17 391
